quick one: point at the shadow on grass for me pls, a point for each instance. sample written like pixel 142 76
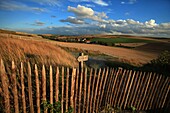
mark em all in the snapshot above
pixel 102 63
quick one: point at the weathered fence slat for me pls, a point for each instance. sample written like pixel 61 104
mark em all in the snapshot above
pixel 76 91
pixel 140 85
pixel 145 93
pixel 95 91
pixel 93 85
pixel 72 87
pixel 51 87
pixel 5 84
pixel 80 91
pixel 141 90
pixel 14 89
pixel 30 89
pixel 150 91
pixel 85 91
pixel 123 87
pixel 62 90
pixel 99 91
pixel 129 89
pixel 57 85
pixel 126 88
pixel 37 89
pixel 115 87
pixel 138 75
pixel 88 92
pixel 166 95
pixel 103 87
pixel 114 75
pixel 119 89
pixel 67 83
pixel 143 84
pixel 165 92
pixel 22 88
pixel 109 86
pixel 44 87
pixel 159 100
pixel 153 91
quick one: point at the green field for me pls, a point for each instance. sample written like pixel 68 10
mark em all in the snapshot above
pixel 119 40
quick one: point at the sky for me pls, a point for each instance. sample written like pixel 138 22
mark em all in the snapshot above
pixel 79 17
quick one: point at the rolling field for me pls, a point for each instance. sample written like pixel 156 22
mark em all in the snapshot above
pixel 146 49
pixel 120 40
pixel 125 55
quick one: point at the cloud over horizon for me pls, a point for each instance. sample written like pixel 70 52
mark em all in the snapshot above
pixel 98 2
pixel 80 17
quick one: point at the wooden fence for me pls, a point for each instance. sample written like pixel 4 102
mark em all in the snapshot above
pixel 47 89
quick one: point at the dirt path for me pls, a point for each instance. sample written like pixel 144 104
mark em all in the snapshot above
pixel 126 55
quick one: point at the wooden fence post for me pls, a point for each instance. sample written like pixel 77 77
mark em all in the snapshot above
pixel 37 89
pixel 22 88
pixel 51 87
pixel 62 90
pixel 44 87
pixel 67 87
pixel 5 85
pixel 81 59
pixel 85 86
pixel 15 91
pixel 57 85
pixel 76 90
pixel 30 89
pixel 72 87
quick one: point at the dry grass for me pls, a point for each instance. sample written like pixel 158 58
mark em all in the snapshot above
pixel 35 52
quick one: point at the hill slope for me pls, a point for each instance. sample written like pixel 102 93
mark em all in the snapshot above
pixel 34 51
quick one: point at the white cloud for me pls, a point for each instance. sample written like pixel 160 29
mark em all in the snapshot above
pixel 129 2
pixel 102 15
pixel 115 27
pixel 98 2
pixel 47 2
pixel 102 26
pixel 127 13
pixel 73 20
pixel 99 22
pixel 131 21
pixel 132 1
pixel 81 10
pixel 122 2
pixel 38 23
pixel 165 25
pixel 90 5
pixel 150 23
pixel 12 5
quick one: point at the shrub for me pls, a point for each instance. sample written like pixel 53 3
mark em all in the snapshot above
pixel 160 65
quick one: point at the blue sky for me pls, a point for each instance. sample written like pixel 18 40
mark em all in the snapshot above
pixel 74 17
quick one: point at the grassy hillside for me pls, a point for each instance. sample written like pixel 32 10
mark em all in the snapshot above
pixel 35 52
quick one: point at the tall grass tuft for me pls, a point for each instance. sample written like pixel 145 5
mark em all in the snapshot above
pixel 34 51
